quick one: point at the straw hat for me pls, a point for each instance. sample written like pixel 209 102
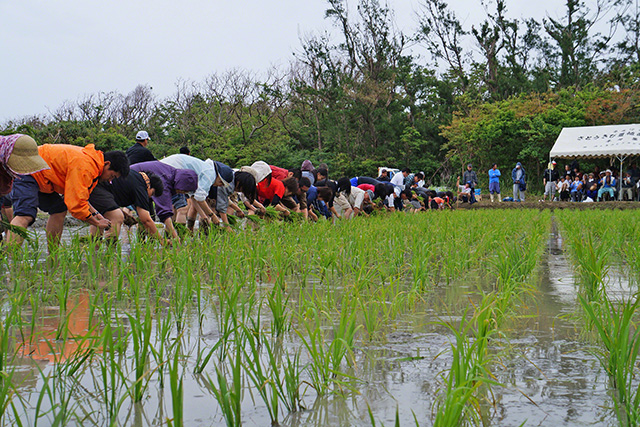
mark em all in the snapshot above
pixel 24 158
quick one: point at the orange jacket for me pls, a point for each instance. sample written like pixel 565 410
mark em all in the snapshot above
pixel 74 173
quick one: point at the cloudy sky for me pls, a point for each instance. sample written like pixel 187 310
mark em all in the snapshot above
pixel 54 51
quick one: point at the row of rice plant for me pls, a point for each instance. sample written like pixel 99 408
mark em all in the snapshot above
pixel 277 317
pixel 594 245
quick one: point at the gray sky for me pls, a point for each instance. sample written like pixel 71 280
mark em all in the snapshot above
pixel 54 51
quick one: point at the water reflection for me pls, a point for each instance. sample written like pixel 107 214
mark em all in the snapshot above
pixel 57 336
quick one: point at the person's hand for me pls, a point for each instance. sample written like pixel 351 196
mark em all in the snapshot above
pixel 103 223
pixel 240 213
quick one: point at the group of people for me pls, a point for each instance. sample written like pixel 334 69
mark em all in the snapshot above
pixel 571 184
pixel 467 189
pixel 106 189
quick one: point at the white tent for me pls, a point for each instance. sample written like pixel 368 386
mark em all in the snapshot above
pixel 598 141
pixel 615 141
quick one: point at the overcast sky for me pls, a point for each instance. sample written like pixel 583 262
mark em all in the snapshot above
pixel 52 51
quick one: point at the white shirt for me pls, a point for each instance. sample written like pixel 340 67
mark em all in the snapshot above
pixel 205 170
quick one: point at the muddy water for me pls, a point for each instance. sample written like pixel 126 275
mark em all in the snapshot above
pixel 547 373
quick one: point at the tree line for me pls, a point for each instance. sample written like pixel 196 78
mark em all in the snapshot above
pixel 356 98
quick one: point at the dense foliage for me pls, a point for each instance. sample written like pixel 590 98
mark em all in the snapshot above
pixel 363 102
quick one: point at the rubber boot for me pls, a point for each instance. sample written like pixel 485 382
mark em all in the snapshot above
pixel 491 196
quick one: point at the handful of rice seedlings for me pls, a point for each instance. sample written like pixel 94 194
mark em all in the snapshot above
pixel 294 217
pixel 233 220
pixel 255 219
pixel 20 231
pixel 271 213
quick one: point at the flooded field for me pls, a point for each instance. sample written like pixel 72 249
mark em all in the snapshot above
pixel 447 318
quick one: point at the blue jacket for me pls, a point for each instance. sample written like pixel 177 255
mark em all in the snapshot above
pixel 494 175
pixel 513 174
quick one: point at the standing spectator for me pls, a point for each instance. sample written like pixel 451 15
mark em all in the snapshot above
pixel 139 152
pixel 568 171
pixel 470 176
pixel 518 175
pixel 494 182
pixel 549 180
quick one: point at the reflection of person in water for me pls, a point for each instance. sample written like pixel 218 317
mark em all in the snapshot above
pixel 43 343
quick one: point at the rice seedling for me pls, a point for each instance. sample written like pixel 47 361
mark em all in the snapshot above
pixel 229 393
pixel 6 357
pixel 591 266
pixel 458 400
pixel 620 336
pixel 113 377
pixel 278 305
pixel 177 392
pixel 141 337
pixel 265 381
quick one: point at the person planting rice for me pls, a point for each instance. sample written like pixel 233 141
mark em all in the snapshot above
pixel 271 191
pixel 243 182
pixel 324 182
pixel 253 207
pixel 308 171
pixel 134 189
pixel 290 200
pixel 304 186
pixel 280 173
pixel 352 200
pixel 410 201
pixel 207 177
pixel 73 171
pixel 176 182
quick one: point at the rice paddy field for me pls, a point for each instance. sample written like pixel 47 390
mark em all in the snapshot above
pixel 476 317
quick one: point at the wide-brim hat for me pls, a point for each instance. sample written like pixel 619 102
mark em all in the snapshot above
pixel 24 158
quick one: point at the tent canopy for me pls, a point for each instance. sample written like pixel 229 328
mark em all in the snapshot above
pixel 617 141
